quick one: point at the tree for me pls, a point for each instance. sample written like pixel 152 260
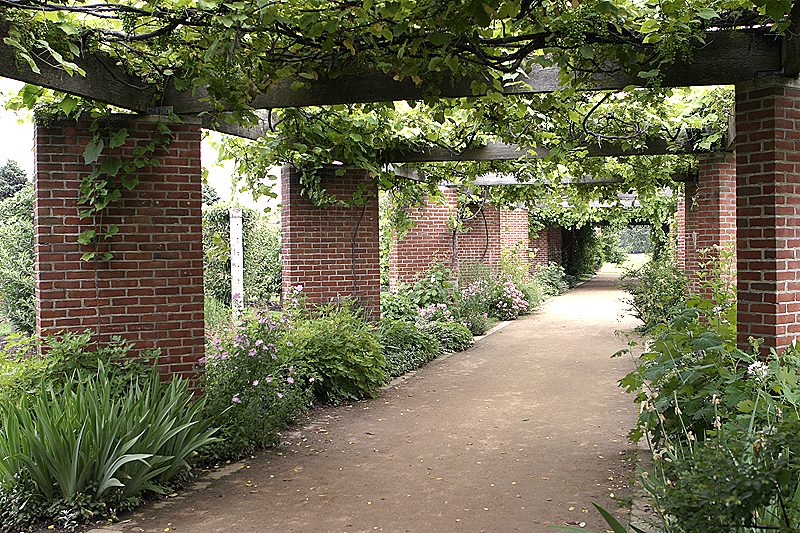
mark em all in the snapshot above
pixel 210 195
pixel 12 179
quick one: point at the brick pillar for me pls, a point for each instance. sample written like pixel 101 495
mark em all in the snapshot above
pixel 678 229
pixel 483 239
pixel 555 241
pixel 480 240
pixel 429 240
pixel 151 292
pixel 514 237
pixel 710 216
pixel 331 251
pixel 768 210
pixel 540 250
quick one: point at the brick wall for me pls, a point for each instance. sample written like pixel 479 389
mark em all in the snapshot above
pixel 486 234
pixel 151 292
pixel 710 215
pixel 332 251
pixel 430 240
pixel 768 210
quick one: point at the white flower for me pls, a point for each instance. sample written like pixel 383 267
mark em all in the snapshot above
pixel 759 370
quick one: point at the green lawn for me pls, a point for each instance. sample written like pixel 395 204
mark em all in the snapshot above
pixel 634 260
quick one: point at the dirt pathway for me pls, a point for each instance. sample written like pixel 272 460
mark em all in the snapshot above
pixel 523 430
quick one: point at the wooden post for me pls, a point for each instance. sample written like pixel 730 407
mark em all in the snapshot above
pixel 237 261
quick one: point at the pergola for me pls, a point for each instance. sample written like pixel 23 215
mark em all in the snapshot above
pixel 763 68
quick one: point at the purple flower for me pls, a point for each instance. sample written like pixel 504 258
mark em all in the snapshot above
pixel 290 379
pixel 255 383
pixel 280 395
pixel 236 399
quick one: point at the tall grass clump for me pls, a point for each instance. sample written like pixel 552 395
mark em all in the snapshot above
pixel 81 451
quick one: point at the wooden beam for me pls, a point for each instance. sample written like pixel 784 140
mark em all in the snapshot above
pixel 105 81
pixel 790 50
pixel 506 152
pixel 725 59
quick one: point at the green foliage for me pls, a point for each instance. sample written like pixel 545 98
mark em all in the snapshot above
pixel 12 179
pixel 722 422
pixel 341 352
pixel 398 306
pixel 611 248
pixel 658 291
pixel 22 370
pixel 405 347
pixel 210 195
pixel 635 239
pixel 80 445
pixel 262 259
pixel 16 260
pixel 453 336
pixel 433 287
pixel 551 279
pixel 583 252
pixel 252 384
pixel 736 481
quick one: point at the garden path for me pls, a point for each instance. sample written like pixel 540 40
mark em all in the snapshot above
pixel 523 430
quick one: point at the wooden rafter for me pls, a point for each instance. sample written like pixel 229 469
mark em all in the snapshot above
pixel 725 58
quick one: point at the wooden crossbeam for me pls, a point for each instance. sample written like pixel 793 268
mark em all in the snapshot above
pixel 726 58
pixel 504 152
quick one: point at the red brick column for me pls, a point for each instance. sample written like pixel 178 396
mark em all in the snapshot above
pixel 768 210
pixel 331 251
pixel 710 214
pixel 151 292
pixel 483 238
pixel 540 249
pixel 428 241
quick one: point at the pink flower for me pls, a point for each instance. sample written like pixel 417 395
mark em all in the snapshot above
pixel 255 383
pixel 236 399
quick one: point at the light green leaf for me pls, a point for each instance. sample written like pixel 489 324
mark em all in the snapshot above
pixel 119 138
pixel 87 237
pixel 92 152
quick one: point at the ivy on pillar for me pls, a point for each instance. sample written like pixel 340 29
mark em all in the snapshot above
pixel 332 251
pixel 151 292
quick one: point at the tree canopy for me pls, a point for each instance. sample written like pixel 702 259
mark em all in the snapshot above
pixel 12 179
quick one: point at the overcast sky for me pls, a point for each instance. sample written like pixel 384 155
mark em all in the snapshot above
pixel 16 142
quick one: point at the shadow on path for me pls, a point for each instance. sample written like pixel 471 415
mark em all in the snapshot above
pixel 523 430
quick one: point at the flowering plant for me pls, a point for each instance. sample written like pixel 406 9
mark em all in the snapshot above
pixel 507 301
pixel 435 313
pixel 253 389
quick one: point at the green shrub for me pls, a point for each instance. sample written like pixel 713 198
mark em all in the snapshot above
pixel 657 289
pixel 406 347
pixel 252 388
pixel 398 305
pixel 453 336
pixel 433 287
pixel 551 279
pixel 341 352
pixel 22 369
pixel 16 260
pixel 81 450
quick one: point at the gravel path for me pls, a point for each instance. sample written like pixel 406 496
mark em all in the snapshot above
pixel 523 430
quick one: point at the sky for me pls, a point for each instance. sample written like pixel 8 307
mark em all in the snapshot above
pixel 16 142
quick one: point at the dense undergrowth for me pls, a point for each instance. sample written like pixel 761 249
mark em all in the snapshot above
pixel 722 421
